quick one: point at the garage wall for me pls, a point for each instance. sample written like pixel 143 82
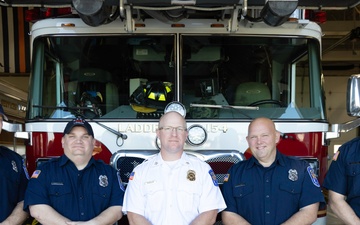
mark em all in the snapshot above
pixel 14 41
pixel 335 93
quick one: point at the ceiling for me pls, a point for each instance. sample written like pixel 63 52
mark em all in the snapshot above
pixel 341 41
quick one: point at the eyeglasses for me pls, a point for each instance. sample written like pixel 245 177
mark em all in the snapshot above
pixel 171 129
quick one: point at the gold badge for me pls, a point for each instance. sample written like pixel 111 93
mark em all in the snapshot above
pixel 191 175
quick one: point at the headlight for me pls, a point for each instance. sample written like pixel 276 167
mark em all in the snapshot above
pixel 196 135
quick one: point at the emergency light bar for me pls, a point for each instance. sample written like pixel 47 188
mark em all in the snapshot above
pixel 303 4
pixel 277 12
pixel 98 12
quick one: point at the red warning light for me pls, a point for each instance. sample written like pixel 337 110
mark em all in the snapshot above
pixel 35 14
pixel 317 16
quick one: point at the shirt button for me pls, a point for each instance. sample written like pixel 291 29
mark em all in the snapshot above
pixel 267 213
pixel 82 213
pixel 267 196
pixel 81 197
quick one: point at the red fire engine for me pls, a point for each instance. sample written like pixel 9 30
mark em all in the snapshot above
pixel 121 64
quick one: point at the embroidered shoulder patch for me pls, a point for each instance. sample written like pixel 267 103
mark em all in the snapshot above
pixel 36 174
pixel 226 178
pixel 213 177
pixel 25 170
pixel 132 175
pixel 120 181
pixel 313 176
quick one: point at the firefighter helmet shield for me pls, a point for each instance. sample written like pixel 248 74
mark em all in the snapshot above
pixel 158 94
pixel 151 97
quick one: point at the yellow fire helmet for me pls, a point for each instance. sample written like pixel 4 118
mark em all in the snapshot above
pixel 151 97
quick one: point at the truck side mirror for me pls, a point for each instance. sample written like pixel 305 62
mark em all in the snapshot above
pixel 353 96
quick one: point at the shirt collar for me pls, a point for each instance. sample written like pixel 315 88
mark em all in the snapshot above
pixel 279 160
pixel 64 160
pixel 159 160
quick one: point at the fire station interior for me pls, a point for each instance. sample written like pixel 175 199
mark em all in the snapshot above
pixel 340 59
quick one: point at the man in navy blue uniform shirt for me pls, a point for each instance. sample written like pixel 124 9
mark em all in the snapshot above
pixel 75 187
pixel 270 188
pixel 14 179
pixel 343 182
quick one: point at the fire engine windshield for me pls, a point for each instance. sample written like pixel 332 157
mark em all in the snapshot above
pixel 214 76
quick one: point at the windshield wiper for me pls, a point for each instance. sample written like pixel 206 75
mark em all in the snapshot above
pixel 239 109
pixel 66 108
pixel 123 136
pixel 224 106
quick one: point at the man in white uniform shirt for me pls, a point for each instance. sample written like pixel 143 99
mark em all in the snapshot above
pixel 172 187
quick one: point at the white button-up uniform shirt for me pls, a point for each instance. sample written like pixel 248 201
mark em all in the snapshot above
pixel 172 194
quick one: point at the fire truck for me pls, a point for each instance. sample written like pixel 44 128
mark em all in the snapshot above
pixel 122 64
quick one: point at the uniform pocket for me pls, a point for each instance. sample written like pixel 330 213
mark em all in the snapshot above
pixel 290 189
pixel 189 196
pixel 352 171
pixel 59 190
pixel 101 192
pixel 154 192
pixel 290 192
pixel 242 190
pixel 59 193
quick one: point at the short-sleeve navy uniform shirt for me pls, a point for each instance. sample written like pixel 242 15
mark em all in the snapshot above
pixel 343 176
pixel 77 195
pixel 270 195
pixel 13 182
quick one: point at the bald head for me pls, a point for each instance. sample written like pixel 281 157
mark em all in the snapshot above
pixel 166 119
pixel 262 139
pixel 262 121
